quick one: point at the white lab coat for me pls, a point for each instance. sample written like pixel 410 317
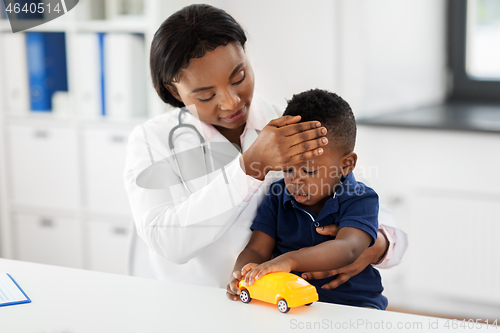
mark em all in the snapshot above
pixel 194 238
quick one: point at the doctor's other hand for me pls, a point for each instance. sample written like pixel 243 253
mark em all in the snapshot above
pixel 232 289
pixel 371 255
pixel 282 143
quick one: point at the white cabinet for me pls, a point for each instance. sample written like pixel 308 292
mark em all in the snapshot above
pixel 43 166
pixel 444 187
pixel 108 244
pixel 104 153
pixel 62 169
pixel 48 239
pixel 61 173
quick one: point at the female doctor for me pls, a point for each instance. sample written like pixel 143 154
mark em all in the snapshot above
pixel 196 175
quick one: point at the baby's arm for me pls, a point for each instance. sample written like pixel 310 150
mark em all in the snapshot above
pixel 342 251
pixel 258 250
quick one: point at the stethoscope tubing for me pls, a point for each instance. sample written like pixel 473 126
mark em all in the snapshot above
pixel 203 144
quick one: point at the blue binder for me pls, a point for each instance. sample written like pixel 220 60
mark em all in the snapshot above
pixel 101 63
pixel 47 69
pixel 28 14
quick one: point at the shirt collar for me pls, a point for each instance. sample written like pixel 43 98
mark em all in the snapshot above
pixel 287 197
pixel 348 187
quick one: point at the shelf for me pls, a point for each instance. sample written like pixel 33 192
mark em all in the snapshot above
pixel 43 117
pixel 44 122
pixel 128 26
pixel 45 211
pixel 56 25
pixel 125 26
pixel 111 122
pixel 470 117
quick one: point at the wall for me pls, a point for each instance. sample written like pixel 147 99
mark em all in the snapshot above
pixel 380 55
pixel 292 45
pixel 392 54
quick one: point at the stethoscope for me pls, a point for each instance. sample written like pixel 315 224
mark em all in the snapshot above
pixel 203 146
pixel 204 151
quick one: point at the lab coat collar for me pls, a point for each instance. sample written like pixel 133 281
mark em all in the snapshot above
pixel 256 118
pixel 206 130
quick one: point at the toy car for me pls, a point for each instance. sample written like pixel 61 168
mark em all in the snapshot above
pixel 287 290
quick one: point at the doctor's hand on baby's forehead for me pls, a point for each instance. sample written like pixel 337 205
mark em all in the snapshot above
pixel 284 142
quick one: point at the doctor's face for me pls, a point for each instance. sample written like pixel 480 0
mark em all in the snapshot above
pixel 220 84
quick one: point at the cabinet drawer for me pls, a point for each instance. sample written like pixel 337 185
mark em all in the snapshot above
pixel 108 246
pixel 43 164
pixel 48 240
pixel 104 160
pixel 454 249
pixel 398 160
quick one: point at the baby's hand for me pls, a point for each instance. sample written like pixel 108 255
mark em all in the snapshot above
pixel 254 272
pixel 232 289
pixel 247 268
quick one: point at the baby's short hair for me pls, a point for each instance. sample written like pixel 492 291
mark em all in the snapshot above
pixel 331 110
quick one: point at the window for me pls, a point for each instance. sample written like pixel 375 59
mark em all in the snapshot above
pixel 474 49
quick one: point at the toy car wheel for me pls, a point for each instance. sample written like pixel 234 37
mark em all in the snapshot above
pixel 308 304
pixel 283 306
pixel 245 296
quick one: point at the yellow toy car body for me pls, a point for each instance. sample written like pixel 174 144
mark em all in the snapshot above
pixel 287 290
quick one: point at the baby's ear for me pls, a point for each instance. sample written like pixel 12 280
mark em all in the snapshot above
pixel 349 163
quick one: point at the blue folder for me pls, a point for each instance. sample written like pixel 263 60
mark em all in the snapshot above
pixel 2 10
pixel 6 297
pixel 101 63
pixel 47 69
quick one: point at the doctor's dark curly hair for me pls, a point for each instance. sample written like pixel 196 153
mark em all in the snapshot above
pixel 189 33
pixel 331 110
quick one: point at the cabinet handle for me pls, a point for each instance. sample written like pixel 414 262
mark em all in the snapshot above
pixel 42 134
pixel 46 223
pixel 117 138
pixel 119 231
pixel 395 201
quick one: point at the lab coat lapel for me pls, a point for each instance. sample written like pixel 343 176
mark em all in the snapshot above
pixel 250 137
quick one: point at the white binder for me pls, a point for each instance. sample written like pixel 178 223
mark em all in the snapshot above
pixel 15 67
pixel 88 87
pixel 125 76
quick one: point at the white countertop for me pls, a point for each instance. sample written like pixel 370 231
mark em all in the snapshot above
pixel 71 300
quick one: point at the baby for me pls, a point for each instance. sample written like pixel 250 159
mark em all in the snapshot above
pixel 315 193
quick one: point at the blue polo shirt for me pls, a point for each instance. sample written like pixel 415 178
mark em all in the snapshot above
pixel 293 227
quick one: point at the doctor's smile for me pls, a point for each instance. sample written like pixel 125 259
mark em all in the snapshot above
pixel 236 116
